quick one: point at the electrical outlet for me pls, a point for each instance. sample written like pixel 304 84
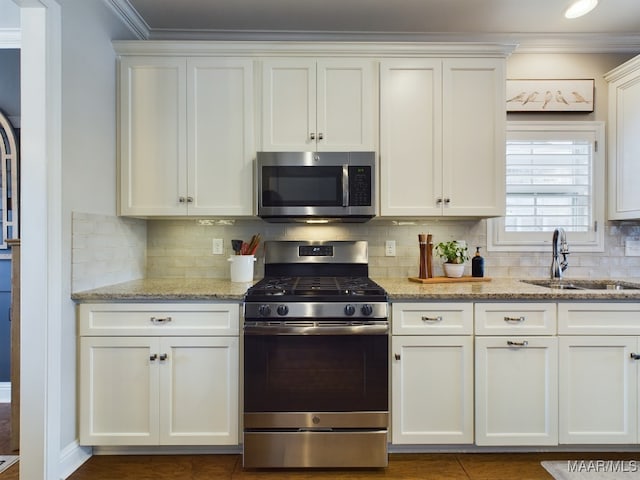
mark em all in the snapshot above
pixel 632 248
pixel 390 248
pixel 218 246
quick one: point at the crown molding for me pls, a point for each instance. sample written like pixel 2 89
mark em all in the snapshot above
pixel 130 17
pixel 316 48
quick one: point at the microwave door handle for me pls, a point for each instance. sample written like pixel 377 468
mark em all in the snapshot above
pixel 345 185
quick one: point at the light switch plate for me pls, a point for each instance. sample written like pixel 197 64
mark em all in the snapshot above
pixel 632 248
pixel 218 246
pixel 390 248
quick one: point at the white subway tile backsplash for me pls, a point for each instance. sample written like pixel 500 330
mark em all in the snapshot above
pixel 107 248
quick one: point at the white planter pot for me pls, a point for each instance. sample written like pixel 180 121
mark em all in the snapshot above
pixel 453 270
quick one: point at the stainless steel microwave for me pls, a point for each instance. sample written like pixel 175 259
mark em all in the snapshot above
pixel 316 186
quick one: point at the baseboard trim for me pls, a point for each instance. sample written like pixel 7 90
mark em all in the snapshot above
pixel 5 392
pixel 71 458
pixel 168 450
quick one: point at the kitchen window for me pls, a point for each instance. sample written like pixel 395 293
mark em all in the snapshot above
pixel 555 178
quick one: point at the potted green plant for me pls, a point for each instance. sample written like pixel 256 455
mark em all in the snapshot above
pixel 454 254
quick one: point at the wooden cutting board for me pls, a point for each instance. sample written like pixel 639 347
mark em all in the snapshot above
pixel 449 279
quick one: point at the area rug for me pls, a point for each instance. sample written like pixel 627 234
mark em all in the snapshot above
pixel 6 461
pixel 594 469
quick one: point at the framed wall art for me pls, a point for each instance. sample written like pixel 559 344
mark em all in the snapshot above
pixel 550 95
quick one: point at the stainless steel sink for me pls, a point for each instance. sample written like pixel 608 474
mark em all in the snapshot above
pixel 584 284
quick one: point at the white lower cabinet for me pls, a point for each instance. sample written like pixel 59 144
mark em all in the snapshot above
pixel 599 373
pixel 516 390
pixel 159 388
pixel 516 376
pixel 432 373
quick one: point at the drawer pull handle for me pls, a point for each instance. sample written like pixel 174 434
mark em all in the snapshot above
pixel 163 357
pixel 432 319
pixel 153 357
pixel 160 319
pixel 635 356
pixel 396 356
pixel 514 319
pixel 523 343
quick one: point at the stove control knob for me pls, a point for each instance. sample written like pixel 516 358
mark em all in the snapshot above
pixel 264 310
pixel 366 309
pixel 349 310
pixel 282 310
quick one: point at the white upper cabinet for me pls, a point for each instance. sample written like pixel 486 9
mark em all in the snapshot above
pixel 319 104
pixel 186 136
pixel 624 142
pixel 442 137
pixel 153 136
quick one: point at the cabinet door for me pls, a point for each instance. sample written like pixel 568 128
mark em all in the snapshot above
pixel 153 145
pixel 346 105
pixel 624 144
pixel 516 391
pixel 474 123
pixel 119 391
pixel 289 104
pixel 432 389
pixel 199 381
pixel 220 137
pixel 411 137
pixel 598 390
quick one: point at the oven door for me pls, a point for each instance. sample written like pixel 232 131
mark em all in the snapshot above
pixel 298 369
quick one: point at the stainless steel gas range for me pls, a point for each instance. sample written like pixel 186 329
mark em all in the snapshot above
pixel 316 359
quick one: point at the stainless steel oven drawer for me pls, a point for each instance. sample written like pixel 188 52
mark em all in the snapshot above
pixel 294 449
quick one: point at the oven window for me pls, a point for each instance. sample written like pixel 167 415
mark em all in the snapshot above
pixel 301 186
pixel 302 373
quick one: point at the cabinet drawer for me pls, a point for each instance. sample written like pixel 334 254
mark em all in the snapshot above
pixel 432 318
pixel 599 318
pixel 116 319
pixel 515 318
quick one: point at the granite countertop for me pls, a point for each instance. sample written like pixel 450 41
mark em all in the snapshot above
pixel 497 289
pixel 401 289
pixel 166 289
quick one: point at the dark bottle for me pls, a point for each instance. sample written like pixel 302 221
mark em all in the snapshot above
pixel 477 264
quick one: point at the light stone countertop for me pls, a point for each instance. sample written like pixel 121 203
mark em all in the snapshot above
pixel 497 289
pixel 166 289
pixel 398 289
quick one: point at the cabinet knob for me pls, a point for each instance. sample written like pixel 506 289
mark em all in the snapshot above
pixel 438 201
pixel 320 136
pixel 635 356
pixel 182 199
pixel 312 136
pixel 163 357
pixel 153 357
pixel 396 356
pixel 447 201
pixel 510 343
pixel 189 199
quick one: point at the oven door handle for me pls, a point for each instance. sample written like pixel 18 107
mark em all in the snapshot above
pixel 311 328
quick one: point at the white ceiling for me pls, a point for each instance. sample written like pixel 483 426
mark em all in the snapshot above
pixel 613 22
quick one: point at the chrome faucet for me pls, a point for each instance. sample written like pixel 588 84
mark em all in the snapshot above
pixel 559 246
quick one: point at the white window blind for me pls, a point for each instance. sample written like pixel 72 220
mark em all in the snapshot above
pixel 554 178
pixel 549 185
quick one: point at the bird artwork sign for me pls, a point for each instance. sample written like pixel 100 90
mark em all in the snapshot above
pixel 550 95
